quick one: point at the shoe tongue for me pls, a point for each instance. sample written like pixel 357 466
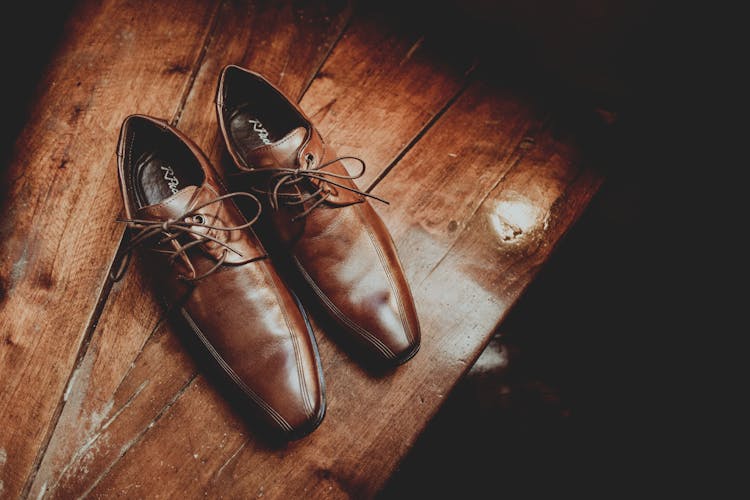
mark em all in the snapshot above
pixel 279 154
pixel 174 206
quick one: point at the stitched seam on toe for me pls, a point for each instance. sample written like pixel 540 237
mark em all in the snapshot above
pixel 297 355
pixel 376 342
pixel 225 366
pixel 391 281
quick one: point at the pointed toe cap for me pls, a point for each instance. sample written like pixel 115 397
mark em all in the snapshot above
pixel 390 325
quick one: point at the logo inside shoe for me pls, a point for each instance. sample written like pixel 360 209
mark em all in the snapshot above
pixel 259 129
pixel 171 179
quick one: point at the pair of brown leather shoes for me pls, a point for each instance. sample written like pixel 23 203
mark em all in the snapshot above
pixel 214 268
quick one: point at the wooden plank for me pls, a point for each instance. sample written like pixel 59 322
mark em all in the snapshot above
pixel 206 415
pixel 381 87
pixel 123 382
pixel 61 199
pixel 452 179
pixel 371 421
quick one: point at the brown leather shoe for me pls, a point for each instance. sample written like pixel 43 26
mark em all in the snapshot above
pixel 209 262
pixel 340 246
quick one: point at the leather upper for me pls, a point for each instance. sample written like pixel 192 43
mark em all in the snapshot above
pixel 241 311
pixel 341 246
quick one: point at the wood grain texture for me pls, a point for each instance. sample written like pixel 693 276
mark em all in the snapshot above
pixel 61 198
pixel 382 85
pixel 483 183
pixel 472 146
pixel 121 385
pixel 106 425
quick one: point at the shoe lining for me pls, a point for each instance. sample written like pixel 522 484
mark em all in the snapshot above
pixel 163 164
pixel 253 128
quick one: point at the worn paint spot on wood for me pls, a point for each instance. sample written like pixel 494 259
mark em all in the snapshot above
pixel 3 460
pixel 18 268
pixel 515 216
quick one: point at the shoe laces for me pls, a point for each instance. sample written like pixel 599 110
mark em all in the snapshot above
pixel 172 229
pixel 292 178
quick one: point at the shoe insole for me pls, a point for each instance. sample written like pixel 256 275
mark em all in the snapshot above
pixel 250 131
pixel 157 179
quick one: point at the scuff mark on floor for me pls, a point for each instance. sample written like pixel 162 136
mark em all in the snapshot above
pixel 95 435
pixel 229 460
pixel 19 266
pixel 73 426
pixel 412 50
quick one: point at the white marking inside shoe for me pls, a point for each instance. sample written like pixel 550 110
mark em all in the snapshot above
pixel 259 129
pixel 171 179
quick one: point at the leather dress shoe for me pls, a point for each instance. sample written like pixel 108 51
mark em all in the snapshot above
pixel 208 263
pixel 336 241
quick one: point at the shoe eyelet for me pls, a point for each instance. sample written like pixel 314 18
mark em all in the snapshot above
pixel 199 219
pixel 310 158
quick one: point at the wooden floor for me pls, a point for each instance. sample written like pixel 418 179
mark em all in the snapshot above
pixel 100 397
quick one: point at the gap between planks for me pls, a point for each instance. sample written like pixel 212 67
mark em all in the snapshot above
pixel 469 73
pixel 141 434
pixel 325 57
pixel 196 66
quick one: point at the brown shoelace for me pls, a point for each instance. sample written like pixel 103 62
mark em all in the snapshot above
pixel 292 177
pixel 172 229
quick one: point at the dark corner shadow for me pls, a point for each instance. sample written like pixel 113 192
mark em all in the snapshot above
pixel 576 387
pixel 591 70
pixel 24 64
